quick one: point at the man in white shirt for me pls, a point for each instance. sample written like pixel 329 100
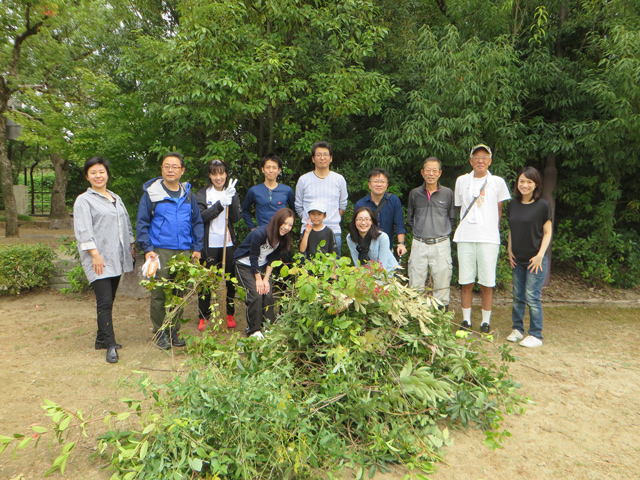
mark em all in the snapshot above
pixel 323 185
pixel 480 196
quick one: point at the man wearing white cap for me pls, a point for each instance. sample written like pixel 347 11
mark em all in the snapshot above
pixel 480 196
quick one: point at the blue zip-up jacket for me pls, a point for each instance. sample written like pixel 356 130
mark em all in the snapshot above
pixel 174 224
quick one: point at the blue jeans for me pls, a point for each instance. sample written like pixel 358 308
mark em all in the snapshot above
pixel 527 289
pixel 338 237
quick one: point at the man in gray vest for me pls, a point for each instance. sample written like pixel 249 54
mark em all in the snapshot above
pixel 431 215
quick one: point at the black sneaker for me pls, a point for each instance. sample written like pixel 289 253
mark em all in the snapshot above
pixel 485 328
pixel 176 341
pixel 465 326
pixel 162 341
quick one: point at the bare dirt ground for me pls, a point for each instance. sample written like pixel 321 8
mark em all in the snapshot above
pixel 584 383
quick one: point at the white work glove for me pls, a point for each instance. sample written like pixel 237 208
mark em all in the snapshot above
pixel 228 193
pixel 226 199
pixel 231 189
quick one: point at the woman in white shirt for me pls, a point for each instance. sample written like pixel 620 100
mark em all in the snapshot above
pixel 106 245
pixel 214 202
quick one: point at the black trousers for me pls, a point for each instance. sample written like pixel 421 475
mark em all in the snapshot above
pixel 105 292
pixel 260 308
pixel 214 257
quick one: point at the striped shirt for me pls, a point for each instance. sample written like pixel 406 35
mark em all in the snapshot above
pixel 331 191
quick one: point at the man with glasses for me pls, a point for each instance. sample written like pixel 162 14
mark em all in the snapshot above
pixel 268 197
pixel 169 223
pixel 387 207
pixel 480 196
pixel 323 185
pixel 431 215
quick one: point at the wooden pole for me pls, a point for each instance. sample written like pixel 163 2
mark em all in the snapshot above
pixel 222 289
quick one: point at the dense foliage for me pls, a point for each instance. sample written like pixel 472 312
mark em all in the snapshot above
pixel 358 370
pixel 550 84
pixel 23 267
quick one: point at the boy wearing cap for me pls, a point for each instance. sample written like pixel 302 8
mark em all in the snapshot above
pixel 316 231
pixel 480 196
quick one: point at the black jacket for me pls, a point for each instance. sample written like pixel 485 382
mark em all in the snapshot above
pixel 208 214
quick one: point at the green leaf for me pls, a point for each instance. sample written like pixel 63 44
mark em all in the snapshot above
pixel 65 423
pixel 195 464
pixel 143 449
pixel 149 428
pixel 23 444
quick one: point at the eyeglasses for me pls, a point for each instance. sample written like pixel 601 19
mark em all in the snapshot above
pixel 378 182
pixel 431 171
pixel 363 220
pixel 174 168
pixel 480 157
pixel 322 155
pixel 216 162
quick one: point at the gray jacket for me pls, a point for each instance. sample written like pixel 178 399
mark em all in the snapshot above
pixel 100 225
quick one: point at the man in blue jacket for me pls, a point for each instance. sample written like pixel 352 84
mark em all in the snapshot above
pixel 169 223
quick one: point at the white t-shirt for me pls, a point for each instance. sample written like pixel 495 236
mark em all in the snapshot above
pixel 265 251
pixel 482 223
pixel 216 226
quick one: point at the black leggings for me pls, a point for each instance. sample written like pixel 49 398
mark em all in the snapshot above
pixel 105 291
pixel 214 257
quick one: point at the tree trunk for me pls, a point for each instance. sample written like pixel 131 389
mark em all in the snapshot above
pixel 58 215
pixel 33 193
pixel 550 179
pixel 549 182
pixel 10 207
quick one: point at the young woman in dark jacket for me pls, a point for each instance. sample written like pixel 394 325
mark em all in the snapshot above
pixel 213 202
pixel 253 259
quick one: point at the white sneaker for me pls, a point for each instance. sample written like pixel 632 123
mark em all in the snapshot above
pixel 257 335
pixel 531 342
pixel 515 336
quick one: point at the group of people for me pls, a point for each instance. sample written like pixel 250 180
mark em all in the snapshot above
pixel 173 220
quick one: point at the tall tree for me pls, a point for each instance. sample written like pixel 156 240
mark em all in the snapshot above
pixel 241 79
pixel 21 21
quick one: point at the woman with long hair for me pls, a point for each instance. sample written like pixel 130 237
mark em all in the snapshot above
pixel 367 242
pixel 253 259
pixel 106 244
pixel 530 230
pixel 214 201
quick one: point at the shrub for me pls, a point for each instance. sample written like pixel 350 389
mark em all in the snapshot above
pixel 76 277
pixel 612 260
pixel 22 218
pixel 357 369
pixel 25 266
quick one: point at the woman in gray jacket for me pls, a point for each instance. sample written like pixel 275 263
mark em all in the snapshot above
pixel 106 244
